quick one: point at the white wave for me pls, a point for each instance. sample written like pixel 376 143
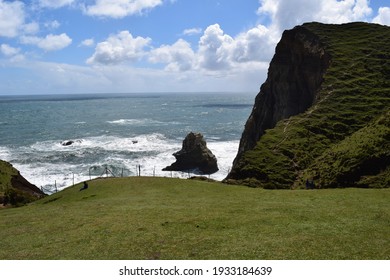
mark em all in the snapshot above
pixel 56 145
pixel 225 152
pixel 4 153
pixel 152 151
pixel 140 143
pixel 140 122
pixel 134 122
pixel 52 176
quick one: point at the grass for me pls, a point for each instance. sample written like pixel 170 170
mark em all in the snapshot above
pixel 164 218
pixel 12 188
pixel 343 139
pixel 6 172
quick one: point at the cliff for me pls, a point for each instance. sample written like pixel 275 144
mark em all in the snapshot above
pixel 327 92
pixel 14 188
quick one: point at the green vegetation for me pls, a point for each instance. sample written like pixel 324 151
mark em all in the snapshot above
pixel 163 218
pixel 6 172
pixel 343 139
pixel 8 193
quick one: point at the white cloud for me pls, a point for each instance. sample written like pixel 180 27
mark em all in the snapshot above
pixel 253 45
pixel 214 49
pixel 8 50
pixel 344 11
pixel 287 14
pixel 55 3
pixel 178 57
pixel 49 43
pixel 54 24
pixel 217 51
pixel 383 16
pixel 219 61
pixel 30 28
pixel 120 8
pixel 11 53
pixel 12 16
pixel 119 48
pixel 88 42
pixel 47 77
pixel 192 31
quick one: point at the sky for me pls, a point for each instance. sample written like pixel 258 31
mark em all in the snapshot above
pixel 125 46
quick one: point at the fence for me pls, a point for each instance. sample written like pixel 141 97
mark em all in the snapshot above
pixel 48 189
pixel 95 172
pixel 139 170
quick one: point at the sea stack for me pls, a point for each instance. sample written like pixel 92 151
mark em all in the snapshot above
pixel 194 155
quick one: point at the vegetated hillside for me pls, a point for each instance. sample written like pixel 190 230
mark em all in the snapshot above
pixel 14 188
pixel 324 112
pixel 168 218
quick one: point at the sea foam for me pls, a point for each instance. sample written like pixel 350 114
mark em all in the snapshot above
pixel 53 166
pixel 118 133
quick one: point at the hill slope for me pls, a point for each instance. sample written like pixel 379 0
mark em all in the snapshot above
pixel 164 218
pixel 14 188
pixel 323 112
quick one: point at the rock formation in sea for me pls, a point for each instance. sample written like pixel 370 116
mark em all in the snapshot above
pixel 70 142
pixel 322 113
pixel 194 155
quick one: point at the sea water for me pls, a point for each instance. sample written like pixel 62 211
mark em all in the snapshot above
pixel 115 134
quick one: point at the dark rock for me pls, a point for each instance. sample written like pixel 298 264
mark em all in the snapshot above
pixel 313 120
pixel 70 142
pixel 294 77
pixel 20 183
pixel 67 143
pixel 14 188
pixel 194 155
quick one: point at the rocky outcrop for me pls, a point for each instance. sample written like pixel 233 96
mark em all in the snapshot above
pixel 14 188
pixel 70 142
pixel 67 143
pixel 294 77
pixel 321 114
pixel 194 155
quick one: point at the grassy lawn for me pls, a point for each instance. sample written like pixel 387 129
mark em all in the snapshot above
pixel 164 218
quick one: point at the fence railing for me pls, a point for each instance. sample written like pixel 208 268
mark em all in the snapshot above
pixel 103 171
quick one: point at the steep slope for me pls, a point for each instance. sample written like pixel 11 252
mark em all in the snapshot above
pixel 14 188
pixel 327 92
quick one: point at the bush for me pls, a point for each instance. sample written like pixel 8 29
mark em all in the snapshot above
pixel 16 198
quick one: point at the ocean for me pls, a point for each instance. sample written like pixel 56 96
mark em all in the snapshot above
pixel 114 134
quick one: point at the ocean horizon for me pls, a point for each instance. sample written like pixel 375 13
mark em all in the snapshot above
pixel 115 133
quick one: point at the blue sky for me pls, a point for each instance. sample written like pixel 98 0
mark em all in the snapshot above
pixel 103 46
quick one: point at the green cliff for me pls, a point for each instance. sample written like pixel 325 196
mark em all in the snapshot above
pixel 14 188
pixel 323 113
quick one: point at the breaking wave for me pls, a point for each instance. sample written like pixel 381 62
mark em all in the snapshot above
pixel 51 164
pixel 140 122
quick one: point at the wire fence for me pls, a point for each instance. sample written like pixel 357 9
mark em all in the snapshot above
pixel 105 171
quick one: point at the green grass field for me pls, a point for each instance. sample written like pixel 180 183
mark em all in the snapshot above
pixel 164 218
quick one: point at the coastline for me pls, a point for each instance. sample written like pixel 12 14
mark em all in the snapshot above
pixel 120 132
